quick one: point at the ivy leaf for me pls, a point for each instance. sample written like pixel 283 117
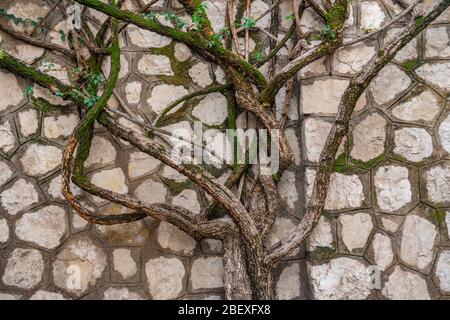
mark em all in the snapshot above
pixel 249 23
pixel 63 36
pixel 28 90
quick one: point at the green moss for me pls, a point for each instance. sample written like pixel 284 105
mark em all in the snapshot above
pixel 323 255
pixel 180 69
pixel 438 217
pixel 336 15
pixel 410 64
pixel 369 164
pixel 419 20
pixel 43 105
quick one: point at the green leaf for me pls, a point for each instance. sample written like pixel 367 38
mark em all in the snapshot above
pixel 63 36
pixel 28 90
pixel 248 23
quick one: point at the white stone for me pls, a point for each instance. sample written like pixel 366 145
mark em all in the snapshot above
pixel 257 8
pixel 62 126
pixel 9 297
pixel 188 200
pixel 293 141
pixel 40 92
pixel 27 10
pixel 287 190
pixel 151 192
pixel 207 273
pixel 444 133
pixel 292 112
pixel 141 164
pixel 352 59
pixel 414 144
pixel 10 91
pixel 200 74
pixel 54 188
pixel 45 227
pixel 55 70
pixel 83 257
pixel 102 152
pixel 418 239
pixel 372 16
pixel 172 174
pixel 24 268
pixel 329 91
pixel 4 230
pixel 436 74
pixel 165 277
pixel 390 225
pixel 7 138
pixel 369 137
pixel 390 82
pixel 162 95
pixel 40 159
pixel 155 65
pixel 182 52
pixel 47 295
pixel 447 221
pixel 215 12
pixel 133 92
pixel 437 43
pixel 124 66
pixel 172 238
pixel 443 271
pixel 147 39
pixel 315 133
pixel 27 53
pixel 112 180
pixel 340 279
pixel 212 110
pixel 56 34
pixel 438 184
pixel 392 187
pixel 288 286
pixel 356 229
pixel 20 196
pixel 345 192
pixel 28 121
pixel 113 293
pixel 404 285
pixel 219 148
pixel 280 229
pixel 322 236
pixel 124 263
pixel 408 52
pixel 423 107
pixel 382 251
pixel 5 173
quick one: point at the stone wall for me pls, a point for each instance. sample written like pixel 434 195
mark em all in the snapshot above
pixel 389 198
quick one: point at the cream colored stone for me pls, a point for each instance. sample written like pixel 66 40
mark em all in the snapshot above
pixel 356 229
pixel 21 195
pixel 392 187
pixel 62 126
pixel 174 239
pixel 45 227
pixel 369 137
pixel 404 285
pixel 165 277
pixel 124 263
pixel 39 159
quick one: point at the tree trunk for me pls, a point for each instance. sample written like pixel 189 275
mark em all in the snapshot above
pixel 245 278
